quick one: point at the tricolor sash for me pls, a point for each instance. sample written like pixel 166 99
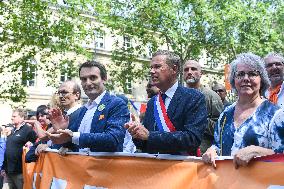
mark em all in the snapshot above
pixel 161 117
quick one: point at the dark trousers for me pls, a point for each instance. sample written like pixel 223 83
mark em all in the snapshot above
pixel 15 181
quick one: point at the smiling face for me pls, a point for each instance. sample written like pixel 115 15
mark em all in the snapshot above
pixel 43 118
pixel 275 68
pixel 91 81
pixel 247 81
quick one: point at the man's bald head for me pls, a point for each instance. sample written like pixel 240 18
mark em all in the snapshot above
pixel 192 73
pixel 193 62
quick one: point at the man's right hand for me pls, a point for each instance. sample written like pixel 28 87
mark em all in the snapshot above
pixel 57 119
pixel 136 129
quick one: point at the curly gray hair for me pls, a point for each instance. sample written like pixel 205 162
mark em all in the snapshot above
pixel 254 62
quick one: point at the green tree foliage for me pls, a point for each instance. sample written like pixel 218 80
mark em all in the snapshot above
pixel 219 28
pixel 222 28
pixel 35 28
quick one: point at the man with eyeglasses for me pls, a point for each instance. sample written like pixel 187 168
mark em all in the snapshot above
pixel 221 91
pixel 274 64
pixel 69 94
pixel 99 126
pixel 192 74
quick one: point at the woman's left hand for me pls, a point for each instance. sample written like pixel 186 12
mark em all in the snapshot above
pixel 245 155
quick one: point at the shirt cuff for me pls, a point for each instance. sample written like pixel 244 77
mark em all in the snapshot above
pixel 75 138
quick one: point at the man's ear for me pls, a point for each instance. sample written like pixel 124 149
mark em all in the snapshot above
pixel 175 69
pixel 104 80
pixel 77 95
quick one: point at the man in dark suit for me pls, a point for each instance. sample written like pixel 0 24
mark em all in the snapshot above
pixel 176 118
pixel 99 126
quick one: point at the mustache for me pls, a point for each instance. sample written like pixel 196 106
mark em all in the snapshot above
pixel 192 80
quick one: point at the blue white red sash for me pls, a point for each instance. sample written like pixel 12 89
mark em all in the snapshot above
pixel 163 121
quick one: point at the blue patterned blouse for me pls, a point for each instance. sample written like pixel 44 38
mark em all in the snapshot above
pixel 265 128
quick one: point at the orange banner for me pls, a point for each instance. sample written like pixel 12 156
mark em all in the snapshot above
pixel 227 75
pixel 78 171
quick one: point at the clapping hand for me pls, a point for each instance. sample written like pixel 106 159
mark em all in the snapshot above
pixel 58 120
pixel 136 129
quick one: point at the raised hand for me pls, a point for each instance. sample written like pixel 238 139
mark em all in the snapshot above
pixel 137 130
pixel 58 120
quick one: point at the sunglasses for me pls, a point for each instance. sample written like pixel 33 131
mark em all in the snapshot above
pixel 219 91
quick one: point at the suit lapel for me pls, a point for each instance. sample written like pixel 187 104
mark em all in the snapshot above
pixel 174 103
pixel 104 102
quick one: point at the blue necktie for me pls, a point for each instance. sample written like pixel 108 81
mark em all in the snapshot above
pixel 164 96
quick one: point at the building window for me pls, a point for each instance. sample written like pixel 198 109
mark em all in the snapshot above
pixel 65 72
pixel 126 42
pixel 29 74
pixel 99 40
pixel 128 86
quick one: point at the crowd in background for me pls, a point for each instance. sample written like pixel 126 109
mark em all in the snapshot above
pixel 194 120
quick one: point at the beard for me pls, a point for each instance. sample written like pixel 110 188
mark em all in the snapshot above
pixel 192 80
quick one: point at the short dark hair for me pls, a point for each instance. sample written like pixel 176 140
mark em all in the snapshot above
pixel 89 64
pixel 41 110
pixel 171 58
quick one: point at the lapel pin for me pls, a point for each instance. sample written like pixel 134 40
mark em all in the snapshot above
pixel 101 117
pixel 101 107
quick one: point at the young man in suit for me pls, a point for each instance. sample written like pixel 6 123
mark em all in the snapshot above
pixel 99 127
pixel 176 118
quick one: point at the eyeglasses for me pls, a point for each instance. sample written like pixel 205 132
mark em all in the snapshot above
pixel 219 91
pixel 251 74
pixel 277 64
pixel 63 93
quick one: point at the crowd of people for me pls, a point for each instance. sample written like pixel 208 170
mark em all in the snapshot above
pixel 193 120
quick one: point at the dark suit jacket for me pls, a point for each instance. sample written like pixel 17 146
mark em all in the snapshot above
pixel 107 130
pixel 187 111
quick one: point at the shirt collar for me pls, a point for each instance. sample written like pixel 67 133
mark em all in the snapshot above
pixel 92 104
pixel 171 91
pixel 73 109
pixel 22 124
